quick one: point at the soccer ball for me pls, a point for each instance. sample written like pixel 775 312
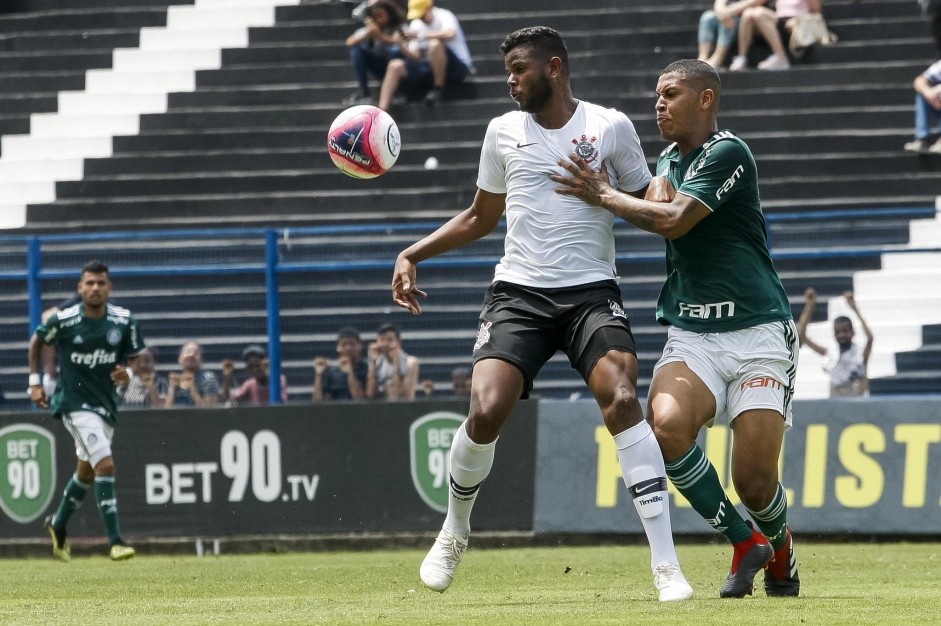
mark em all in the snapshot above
pixel 364 141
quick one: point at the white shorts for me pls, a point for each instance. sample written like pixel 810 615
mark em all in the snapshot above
pixel 92 435
pixel 752 368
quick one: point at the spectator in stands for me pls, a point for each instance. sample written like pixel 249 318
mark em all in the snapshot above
pixel 554 289
pixel 146 388
pixel 255 391
pixel 347 379
pixel 192 386
pixel 461 382
pixel 846 362
pixel 251 364
pixel 378 40
pixel 392 373
pixel 718 29
pixel 775 27
pixel 436 55
pixel 927 111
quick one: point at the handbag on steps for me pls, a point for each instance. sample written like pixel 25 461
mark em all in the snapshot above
pixel 809 29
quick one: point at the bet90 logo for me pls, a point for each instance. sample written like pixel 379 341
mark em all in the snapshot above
pixel 430 438
pixel 27 471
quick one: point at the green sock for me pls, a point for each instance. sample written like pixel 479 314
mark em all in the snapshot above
pixel 772 520
pixel 696 478
pixel 108 507
pixel 72 497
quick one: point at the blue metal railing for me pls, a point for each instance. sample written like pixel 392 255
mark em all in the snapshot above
pixel 272 265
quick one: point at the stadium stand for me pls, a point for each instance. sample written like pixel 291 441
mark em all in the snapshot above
pixel 240 143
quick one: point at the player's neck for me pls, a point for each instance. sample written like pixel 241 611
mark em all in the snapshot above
pixel 95 311
pixel 694 140
pixel 558 112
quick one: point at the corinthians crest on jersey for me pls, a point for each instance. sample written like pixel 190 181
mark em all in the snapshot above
pixel 585 148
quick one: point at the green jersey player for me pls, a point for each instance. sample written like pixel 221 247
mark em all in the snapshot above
pixel 94 339
pixel 731 351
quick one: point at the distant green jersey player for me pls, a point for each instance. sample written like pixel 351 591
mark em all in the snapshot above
pixel 94 339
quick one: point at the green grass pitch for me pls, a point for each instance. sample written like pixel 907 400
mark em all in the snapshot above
pixel 858 584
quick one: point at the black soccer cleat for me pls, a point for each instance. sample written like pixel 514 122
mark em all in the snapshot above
pixel 748 557
pixel 781 578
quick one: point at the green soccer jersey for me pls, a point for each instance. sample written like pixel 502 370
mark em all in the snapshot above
pixel 720 276
pixel 89 350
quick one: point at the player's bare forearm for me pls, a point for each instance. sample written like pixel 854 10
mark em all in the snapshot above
pixel 467 226
pixel 655 217
pixel 669 220
pixel 35 354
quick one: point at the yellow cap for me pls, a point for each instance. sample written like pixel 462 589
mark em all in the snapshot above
pixel 418 8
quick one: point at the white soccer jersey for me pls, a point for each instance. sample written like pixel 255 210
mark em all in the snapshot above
pixel 554 240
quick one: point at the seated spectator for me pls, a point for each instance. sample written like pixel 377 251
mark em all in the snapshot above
pixel 146 388
pixel 461 382
pixel 374 44
pixel 775 27
pixel 927 111
pixel 718 29
pixel 193 386
pixel 436 55
pixel 393 374
pixel 255 390
pixel 347 379
pixel 846 364
pixel 251 365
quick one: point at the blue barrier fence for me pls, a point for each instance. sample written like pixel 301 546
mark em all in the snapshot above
pixel 272 264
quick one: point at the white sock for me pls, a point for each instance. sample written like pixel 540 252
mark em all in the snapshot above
pixel 470 465
pixel 646 481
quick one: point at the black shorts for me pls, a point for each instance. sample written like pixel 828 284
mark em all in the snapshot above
pixel 525 326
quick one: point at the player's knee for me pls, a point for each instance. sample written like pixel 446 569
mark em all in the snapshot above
pixel 755 489
pixel 674 435
pixel 623 410
pixel 105 467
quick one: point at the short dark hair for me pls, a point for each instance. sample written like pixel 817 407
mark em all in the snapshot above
pixel 547 41
pixel 253 350
pixel 348 331
pixel 698 73
pixel 388 328
pixel 94 267
pixel 844 320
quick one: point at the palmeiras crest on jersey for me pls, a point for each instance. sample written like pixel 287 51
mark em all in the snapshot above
pixel 28 465
pixel 114 336
pixel 585 148
pixel 430 450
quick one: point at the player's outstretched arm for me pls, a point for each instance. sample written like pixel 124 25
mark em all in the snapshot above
pixel 468 226
pixel 668 219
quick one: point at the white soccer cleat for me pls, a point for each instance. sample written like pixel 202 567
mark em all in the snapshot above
pixel 437 570
pixel 670 582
